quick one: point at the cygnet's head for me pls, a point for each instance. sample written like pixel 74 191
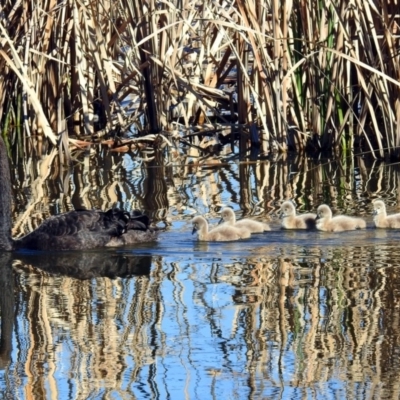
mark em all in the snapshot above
pixel 197 223
pixel 379 207
pixel 287 209
pixel 324 211
pixel 227 215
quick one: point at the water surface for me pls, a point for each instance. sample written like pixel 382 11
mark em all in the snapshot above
pixel 285 314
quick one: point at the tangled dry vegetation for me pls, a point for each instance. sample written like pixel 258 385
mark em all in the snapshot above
pixel 299 75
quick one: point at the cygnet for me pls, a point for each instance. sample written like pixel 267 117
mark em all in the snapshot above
pixel 381 219
pixel 229 219
pixel 339 223
pixel 292 221
pixel 222 233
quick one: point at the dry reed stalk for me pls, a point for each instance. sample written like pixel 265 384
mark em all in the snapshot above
pixel 23 223
pixel 43 123
pixel 324 70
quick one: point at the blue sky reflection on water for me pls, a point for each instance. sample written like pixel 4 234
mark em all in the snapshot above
pixel 228 321
pixel 289 315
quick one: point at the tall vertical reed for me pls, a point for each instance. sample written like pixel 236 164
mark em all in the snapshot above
pixel 309 74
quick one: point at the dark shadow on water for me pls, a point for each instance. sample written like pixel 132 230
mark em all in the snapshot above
pixel 7 301
pixel 88 265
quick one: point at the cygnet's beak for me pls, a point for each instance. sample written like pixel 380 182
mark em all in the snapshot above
pixel 194 230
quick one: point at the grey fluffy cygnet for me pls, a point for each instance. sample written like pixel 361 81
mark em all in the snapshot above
pixel 222 233
pixel 339 223
pixel 381 219
pixel 292 221
pixel 229 219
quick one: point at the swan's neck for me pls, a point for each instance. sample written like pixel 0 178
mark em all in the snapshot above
pixel 6 242
pixel 381 216
pixel 203 231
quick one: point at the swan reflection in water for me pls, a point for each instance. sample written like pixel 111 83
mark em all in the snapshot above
pixel 87 265
pixel 79 265
pixel 7 306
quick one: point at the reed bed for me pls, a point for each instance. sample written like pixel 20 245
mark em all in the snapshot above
pixel 300 75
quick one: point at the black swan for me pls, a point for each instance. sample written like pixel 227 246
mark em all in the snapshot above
pixel 73 230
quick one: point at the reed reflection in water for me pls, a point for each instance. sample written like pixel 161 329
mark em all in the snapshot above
pixel 281 315
pixel 276 321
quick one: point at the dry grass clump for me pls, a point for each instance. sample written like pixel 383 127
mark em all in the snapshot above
pixel 286 75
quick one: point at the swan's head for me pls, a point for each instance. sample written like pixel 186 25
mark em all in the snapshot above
pixel 198 223
pixel 227 215
pixel 379 207
pixel 287 209
pixel 324 211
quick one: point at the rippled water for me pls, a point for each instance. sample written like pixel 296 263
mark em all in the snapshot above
pixel 285 314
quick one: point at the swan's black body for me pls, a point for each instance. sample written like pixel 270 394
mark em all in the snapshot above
pixel 74 230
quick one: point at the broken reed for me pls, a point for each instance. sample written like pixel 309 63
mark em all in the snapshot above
pixel 308 74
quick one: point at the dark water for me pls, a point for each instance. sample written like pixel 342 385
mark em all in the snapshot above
pixel 285 314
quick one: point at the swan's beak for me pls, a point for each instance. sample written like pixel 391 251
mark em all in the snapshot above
pixel 220 221
pixel 194 230
pixel 317 217
pixel 375 212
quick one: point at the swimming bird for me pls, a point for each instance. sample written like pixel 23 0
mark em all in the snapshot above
pixel 339 223
pixel 222 233
pixel 292 221
pixel 381 219
pixel 73 230
pixel 228 218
